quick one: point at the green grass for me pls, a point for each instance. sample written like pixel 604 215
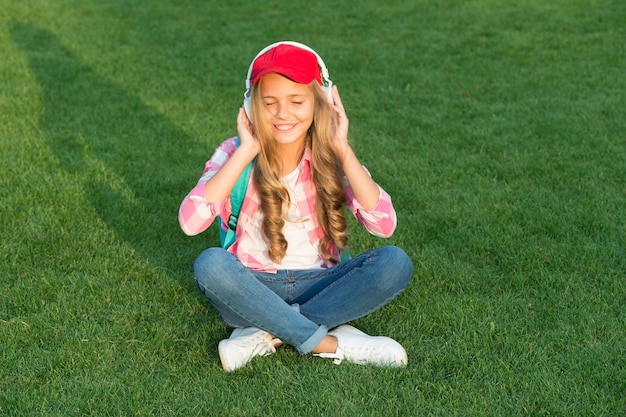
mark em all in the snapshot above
pixel 498 127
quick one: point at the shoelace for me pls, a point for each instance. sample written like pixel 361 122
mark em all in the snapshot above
pixel 262 347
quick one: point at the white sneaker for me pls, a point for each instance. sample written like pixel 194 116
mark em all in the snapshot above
pixel 243 345
pixel 359 348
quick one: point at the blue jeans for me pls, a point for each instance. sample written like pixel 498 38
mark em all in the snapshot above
pixel 300 306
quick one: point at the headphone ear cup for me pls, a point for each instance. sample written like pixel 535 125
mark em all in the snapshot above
pixel 328 89
pixel 247 105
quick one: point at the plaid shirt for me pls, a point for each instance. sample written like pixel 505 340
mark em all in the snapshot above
pixel 196 214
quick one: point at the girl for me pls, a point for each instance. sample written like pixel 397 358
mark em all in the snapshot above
pixel 283 281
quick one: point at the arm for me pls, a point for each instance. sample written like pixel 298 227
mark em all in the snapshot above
pixel 196 213
pixel 370 204
pixel 366 191
pixel 209 197
pixel 219 186
pixel 379 220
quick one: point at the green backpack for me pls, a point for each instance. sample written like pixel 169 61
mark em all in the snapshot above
pixel 236 200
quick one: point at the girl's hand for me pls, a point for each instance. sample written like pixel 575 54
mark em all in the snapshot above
pixel 247 137
pixel 341 135
pixel 365 190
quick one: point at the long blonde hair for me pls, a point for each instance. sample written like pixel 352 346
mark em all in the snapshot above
pixel 326 175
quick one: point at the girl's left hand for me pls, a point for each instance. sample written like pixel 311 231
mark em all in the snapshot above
pixel 341 135
pixel 366 191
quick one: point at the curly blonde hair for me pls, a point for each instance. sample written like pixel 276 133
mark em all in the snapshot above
pixel 326 174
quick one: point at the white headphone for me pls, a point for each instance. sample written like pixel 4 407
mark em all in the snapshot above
pixel 327 84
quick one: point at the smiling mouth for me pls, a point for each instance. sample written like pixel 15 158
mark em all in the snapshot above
pixel 284 128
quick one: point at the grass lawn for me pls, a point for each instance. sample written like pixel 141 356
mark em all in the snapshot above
pixel 498 127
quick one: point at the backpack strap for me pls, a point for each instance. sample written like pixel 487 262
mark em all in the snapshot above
pixel 236 200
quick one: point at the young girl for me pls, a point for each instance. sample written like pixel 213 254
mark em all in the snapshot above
pixel 283 281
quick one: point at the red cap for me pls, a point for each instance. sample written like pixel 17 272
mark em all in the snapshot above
pixel 295 63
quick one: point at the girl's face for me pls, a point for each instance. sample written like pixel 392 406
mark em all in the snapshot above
pixel 287 108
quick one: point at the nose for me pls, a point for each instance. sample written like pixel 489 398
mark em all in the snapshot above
pixel 281 110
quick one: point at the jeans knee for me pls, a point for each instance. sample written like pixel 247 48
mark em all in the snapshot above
pixel 207 266
pixel 400 263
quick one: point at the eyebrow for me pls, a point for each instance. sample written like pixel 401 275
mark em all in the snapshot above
pixel 290 95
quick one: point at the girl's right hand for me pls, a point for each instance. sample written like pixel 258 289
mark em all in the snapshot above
pixel 247 137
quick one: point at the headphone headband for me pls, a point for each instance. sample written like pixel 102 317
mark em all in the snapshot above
pixel 324 71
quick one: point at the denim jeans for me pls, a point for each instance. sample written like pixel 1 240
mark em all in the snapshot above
pixel 300 306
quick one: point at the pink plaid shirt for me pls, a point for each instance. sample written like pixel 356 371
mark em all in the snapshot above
pixel 196 214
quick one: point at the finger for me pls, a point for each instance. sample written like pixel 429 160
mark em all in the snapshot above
pixel 242 118
pixel 336 97
pixel 242 123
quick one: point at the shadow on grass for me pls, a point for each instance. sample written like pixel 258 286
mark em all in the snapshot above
pixel 127 156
